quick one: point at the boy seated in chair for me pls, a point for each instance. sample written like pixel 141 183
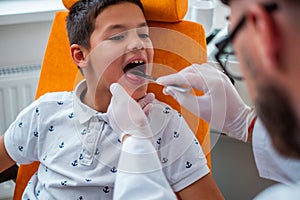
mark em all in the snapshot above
pixel 70 134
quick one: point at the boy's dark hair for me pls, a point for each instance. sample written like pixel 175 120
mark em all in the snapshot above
pixel 82 16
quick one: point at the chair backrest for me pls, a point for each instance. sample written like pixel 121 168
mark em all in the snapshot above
pixel 177 44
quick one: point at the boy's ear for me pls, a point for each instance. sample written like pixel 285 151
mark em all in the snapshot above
pixel 78 54
pixel 266 36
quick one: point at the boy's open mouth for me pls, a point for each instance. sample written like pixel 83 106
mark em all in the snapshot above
pixel 138 65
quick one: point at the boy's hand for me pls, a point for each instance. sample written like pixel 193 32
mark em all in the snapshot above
pixel 126 116
pixel 146 102
pixel 220 105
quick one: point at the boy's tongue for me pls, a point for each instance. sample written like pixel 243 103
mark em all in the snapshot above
pixel 133 77
pixel 128 69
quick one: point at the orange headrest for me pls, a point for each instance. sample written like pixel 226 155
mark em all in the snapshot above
pixel 157 10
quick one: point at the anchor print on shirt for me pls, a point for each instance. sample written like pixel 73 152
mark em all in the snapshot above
pixel 196 141
pixel 21 148
pixel 158 140
pixel 20 124
pixel 37 111
pixel 45 157
pixel 61 145
pixel 84 131
pixel 36 134
pixel 167 110
pixel 176 134
pixel 88 180
pixel 106 189
pixel 164 160
pixel 51 128
pixel 113 170
pixel 60 103
pixel 188 164
pixel 64 183
pixel 80 198
pixel 74 163
pixel 71 115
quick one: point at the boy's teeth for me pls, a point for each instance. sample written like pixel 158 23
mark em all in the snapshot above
pixel 137 61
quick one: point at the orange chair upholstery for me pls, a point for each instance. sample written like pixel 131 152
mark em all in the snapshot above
pixel 177 44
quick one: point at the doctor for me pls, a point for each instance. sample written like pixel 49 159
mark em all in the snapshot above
pixel 265 36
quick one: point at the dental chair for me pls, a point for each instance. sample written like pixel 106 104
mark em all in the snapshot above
pixel 177 44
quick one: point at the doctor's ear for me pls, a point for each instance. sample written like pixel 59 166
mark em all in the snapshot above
pixel 266 35
pixel 79 55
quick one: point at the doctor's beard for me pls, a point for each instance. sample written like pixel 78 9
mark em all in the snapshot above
pixel 276 112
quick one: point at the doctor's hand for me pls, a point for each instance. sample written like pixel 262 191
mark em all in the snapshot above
pixel 221 105
pixel 126 116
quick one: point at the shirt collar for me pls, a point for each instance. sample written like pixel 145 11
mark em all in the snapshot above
pixel 83 112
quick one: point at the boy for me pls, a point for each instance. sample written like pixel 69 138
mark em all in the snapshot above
pixel 69 133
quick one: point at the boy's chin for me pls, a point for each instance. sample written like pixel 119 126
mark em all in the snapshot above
pixel 139 93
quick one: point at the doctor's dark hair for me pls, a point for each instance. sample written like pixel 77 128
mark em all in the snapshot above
pixel 82 17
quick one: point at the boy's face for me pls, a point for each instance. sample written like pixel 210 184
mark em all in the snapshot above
pixel 119 42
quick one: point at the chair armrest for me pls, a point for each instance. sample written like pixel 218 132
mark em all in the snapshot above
pixel 9 174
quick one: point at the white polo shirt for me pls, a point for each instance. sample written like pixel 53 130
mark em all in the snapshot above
pixel 79 152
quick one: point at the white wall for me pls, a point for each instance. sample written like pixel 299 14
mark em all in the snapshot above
pixel 23 43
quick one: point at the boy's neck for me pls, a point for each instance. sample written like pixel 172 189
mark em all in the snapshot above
pixel 100 102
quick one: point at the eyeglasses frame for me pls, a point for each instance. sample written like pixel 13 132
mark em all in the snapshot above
pixel 222 44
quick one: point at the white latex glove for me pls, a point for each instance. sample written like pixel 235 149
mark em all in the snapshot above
pixel 126 116
pixel 221 105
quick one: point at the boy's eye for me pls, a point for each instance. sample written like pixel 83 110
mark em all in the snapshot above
pixel 143 35
pixel 116 37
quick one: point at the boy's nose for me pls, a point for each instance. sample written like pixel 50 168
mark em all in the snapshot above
pixel 136 44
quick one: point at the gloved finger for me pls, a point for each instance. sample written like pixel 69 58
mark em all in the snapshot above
pixel 180 78
pixel 194 76
pixel 123 97
pixel 123 106
pixel 173 79
pixel 116 89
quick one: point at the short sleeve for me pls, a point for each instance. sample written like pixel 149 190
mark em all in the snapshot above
pixel 21 137
pixel 180 153
pixel 189 163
